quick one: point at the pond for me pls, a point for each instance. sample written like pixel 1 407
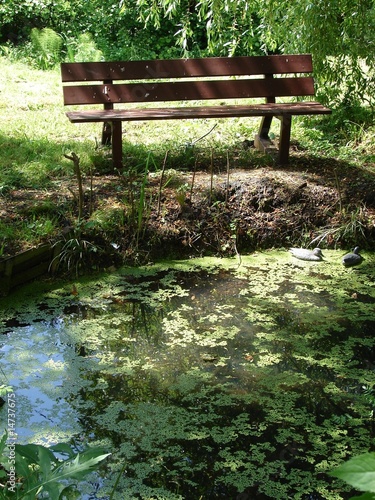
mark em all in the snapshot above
pixel 233 378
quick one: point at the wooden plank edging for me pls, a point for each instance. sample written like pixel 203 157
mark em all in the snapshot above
pixel 26 266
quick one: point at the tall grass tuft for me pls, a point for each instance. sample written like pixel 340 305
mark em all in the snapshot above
pixel 47 45
pixel 142 205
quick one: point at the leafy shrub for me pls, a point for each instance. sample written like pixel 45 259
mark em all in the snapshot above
pixel 83 49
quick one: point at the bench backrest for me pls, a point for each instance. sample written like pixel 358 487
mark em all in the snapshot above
pixel 187 79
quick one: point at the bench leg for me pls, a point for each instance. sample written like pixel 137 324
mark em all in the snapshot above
pixel 116 144
pixel 265 126
pixel 262 142
pixel 284 143
pixel 106 134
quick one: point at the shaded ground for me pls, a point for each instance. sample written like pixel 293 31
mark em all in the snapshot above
pixel 202 213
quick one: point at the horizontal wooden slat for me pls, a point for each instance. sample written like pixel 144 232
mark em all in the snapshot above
pixel 182 91
pixel 270 109
pixel 180 68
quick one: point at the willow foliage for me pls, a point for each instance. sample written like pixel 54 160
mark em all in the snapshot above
pixel 339 34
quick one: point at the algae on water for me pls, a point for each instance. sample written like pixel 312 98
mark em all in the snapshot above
pixel 206 378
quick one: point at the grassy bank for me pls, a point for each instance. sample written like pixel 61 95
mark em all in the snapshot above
pixel 39 195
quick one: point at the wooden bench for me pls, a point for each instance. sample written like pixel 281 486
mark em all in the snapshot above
pixel 231 81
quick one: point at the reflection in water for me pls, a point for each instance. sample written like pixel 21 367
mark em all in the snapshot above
pixel 34 363
pixel 227 382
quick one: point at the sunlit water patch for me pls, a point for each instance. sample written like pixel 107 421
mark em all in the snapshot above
pixel 36 363
pixel 205 379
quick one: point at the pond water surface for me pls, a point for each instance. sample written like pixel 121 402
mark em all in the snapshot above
pixel 204 378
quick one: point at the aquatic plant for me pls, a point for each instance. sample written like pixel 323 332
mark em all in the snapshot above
pixel 142 199
pixel 137 205
pixel 350 228
pixel 75 251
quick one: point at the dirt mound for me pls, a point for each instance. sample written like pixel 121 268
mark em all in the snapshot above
pixel 200 213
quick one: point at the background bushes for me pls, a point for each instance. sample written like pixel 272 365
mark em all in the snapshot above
pixel 339 34
pixel 50 31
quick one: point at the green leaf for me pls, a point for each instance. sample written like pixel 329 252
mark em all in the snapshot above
pixel 47 478
pixel 3 456
pixel 33 453
pixel 76 468
pixel 3 442
pixel 365 496
pixel 92 453
pixel 54 489
pixel 45 460
pixel 359 472
pixel 24 471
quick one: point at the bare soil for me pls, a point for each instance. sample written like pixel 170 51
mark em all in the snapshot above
pixel 330 201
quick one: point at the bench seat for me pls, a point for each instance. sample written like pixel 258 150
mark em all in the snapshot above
pixel 186 112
